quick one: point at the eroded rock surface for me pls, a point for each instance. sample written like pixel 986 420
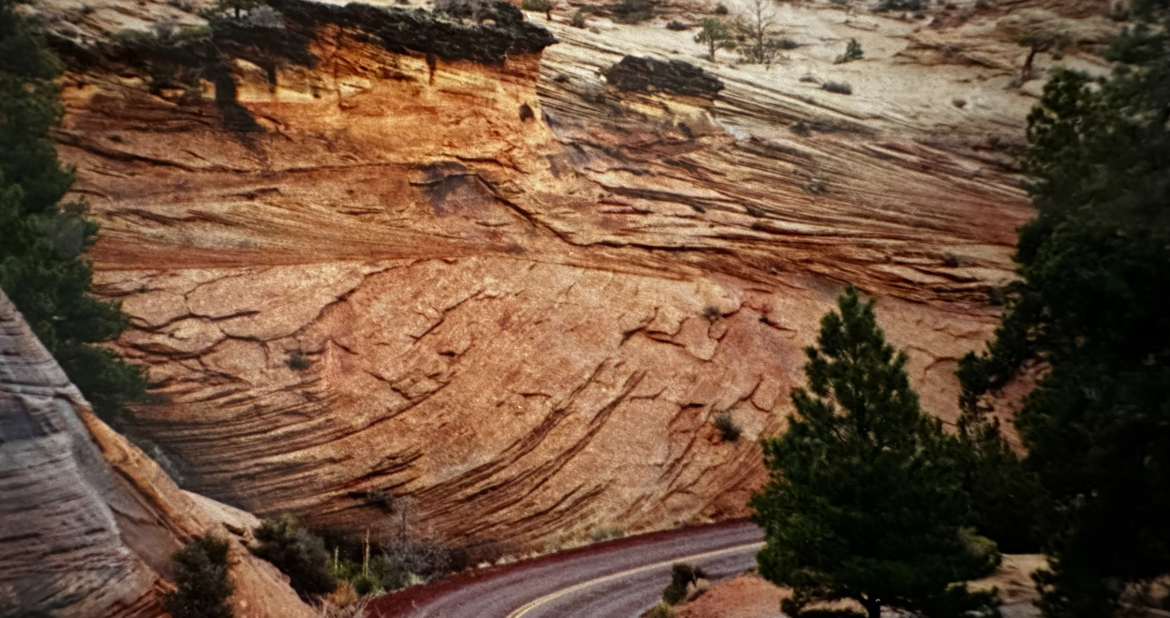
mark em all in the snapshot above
pixel 88 521
pixel 511 291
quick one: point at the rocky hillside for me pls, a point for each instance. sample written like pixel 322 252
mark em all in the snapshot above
pixel 368 250
pixel 89 521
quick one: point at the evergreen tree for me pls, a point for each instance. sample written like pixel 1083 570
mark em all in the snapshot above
pixel 865 499
pixel 1090 309
pixel 201 578
pixel 42 268
pixel 715 35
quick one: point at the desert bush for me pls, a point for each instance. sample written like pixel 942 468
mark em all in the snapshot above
pixel 900 5
pixel 809 78
pixel 721 10
pixel 633 11
pixel 379 500
pixel 298 553
pixel 265 16
pixel 607 533
pixel 538 6
pixel 837 87
pixel 754 211
pixel 201 580
pixel 680 576
pixel 676 25
pixel 729 430
pixel 298 361
pixel 357 608
pixel 578 19
pixel 661 610
pixel 800 129
pixel 852 52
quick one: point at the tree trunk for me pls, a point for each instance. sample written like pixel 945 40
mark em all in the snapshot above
pixel 711 44
pixel 548 15
pixel 1026 72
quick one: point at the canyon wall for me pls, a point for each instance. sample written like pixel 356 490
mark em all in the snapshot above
pixel 497 286
pixel 89 522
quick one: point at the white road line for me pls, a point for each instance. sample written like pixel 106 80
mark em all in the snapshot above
pixel 548 598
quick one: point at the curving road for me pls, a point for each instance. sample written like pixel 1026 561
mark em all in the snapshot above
pixel 619 579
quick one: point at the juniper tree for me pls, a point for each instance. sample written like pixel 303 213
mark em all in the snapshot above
pixel 865 498
pixel 44 236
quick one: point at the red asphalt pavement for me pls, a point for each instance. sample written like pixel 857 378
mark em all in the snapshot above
pixel 562 585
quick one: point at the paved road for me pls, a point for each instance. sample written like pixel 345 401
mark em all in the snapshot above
pixel 612 580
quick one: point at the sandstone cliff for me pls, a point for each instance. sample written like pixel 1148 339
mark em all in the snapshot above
pixel 89 522
pixel 495 284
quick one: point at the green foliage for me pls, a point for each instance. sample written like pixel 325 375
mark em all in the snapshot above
pixel 900 5
pixel 1007 500
pixel 865 498
pixel 578 18
pixel 42 266
pixel 852 52
pixel 715 35
pixel 298 553
pixel 681 575
pixel 837 87
pixel 1090 306
pixel 201 578
pixel 661 610
pixel 633 11
pixel 540 6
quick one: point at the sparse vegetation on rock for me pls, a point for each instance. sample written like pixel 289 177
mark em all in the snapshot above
pixel 852 52
pixel 715 35
pixel 201 580
pixel 633 11
pixel 1040 31
pixel 761 45
pixel 298 553
pixel 539 6
pixel 837 87
pixel 729 430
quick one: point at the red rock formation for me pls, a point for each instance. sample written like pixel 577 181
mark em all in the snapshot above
pixel 89 522
pixel 516 297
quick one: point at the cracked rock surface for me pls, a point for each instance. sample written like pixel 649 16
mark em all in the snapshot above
pixel 518 294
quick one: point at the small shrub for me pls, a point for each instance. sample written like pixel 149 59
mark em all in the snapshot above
pixel 265 16
pixel 607 533
pixel 538 6
pixel 754 211
pixel 297 362
pixel 721 10
pixel 297 553
pixel 661 610
pixel 379 500
pixel 959 103
pixel 711 313
pixel 800 129
pixel 785 44
pixel 201 580
pixel 900 5
pixel 357 608
pixel 676 26
pixel 852 52
pixel 633 11
pixel 837 87
pixel 680 576
pixel 816 187
pixel 729 430
pixel 809 78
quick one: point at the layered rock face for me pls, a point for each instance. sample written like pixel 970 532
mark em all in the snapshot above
pixel 89 522
pixel 505 289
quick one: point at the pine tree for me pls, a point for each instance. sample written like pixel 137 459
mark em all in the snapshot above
pixel 42 266
pixel 865 499
pixel 1090 308
pixel 715 35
